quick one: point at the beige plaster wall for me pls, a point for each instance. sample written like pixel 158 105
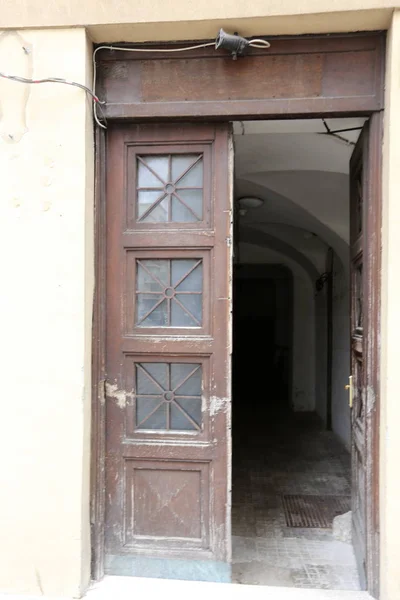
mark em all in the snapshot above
pixel 390 405
pixel 108 20
pixel 46 208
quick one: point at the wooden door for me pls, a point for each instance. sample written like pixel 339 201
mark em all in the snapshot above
pixel 364 266
pixel 168 351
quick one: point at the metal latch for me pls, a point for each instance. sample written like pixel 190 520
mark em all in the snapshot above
pixel 349 387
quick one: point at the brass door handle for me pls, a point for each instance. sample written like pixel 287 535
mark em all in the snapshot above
pixel 349 387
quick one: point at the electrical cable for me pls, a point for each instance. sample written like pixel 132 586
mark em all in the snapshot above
pixel 19 79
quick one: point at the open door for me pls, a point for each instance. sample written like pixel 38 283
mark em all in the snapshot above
pixel 365 223
pixel 168 351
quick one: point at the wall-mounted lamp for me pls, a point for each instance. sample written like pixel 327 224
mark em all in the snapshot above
pixel 236 44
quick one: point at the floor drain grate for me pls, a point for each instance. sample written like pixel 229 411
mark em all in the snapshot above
pixel 314 511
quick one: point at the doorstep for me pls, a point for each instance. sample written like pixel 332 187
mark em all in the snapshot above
pixel 112 587
pixel 115 588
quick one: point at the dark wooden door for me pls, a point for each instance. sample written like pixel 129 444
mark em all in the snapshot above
pixel 168 351
pixel 364 258
pixel 357 400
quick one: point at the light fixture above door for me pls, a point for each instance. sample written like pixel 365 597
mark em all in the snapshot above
pixel 250 202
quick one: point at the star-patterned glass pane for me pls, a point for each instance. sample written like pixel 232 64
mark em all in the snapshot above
pixel 168 396
pixel 169 292
pixel 170 188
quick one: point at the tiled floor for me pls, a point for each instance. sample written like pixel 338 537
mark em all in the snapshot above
pixel 291 456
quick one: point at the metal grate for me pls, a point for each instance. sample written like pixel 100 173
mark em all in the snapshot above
pixel 314 511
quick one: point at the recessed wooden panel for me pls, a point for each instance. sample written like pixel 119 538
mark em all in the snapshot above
pixel 258 77
pixel 166 501
pixel 345 71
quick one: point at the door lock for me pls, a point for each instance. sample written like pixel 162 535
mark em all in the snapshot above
pixel 349 387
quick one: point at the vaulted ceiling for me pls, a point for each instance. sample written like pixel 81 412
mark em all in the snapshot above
pixel 301 173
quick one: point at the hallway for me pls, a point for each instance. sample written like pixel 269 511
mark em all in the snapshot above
pixel 291 455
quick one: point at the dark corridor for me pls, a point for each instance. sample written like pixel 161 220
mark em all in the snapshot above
pixel 262 340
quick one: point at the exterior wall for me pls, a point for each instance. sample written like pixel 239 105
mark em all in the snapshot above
pixel 390 353
pixel 46 242
pixel 47 270
pixel 134 21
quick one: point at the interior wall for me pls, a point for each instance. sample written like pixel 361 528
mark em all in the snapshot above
pixel 340 351
pixel 321 354
pixel 304 339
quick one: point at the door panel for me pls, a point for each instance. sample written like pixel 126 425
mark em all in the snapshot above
pixel 357 221
pixel 365 257
pixel 168 351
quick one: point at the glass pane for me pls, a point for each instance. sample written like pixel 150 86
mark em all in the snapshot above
pixel 192 406
pixel 146 200
pixel 181 267
pixel 179 421
pixel 193 282
pixel 160 167
pixel 153 286
pixel 193 199
pixel 159 214
pixel 154 404
pixel 144 406
pixel 192 385
pixel 158 315
pixel 145 178
pixel 153 275
pixel 146 303
pixel 159 372
pixel 193 304
pixel 181 214
pixel 180 163
pixel 179 372
pixel 180 318
pixel 157 420
pixel 194 177
pixel 146 382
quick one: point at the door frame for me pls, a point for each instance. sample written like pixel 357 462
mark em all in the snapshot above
pixel 227 110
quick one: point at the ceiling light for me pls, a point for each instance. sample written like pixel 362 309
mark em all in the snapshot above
pixel 250 202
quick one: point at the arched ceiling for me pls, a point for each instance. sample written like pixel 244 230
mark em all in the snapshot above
pixel 302 176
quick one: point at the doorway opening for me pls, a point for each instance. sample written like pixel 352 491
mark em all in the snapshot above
pixel 291 421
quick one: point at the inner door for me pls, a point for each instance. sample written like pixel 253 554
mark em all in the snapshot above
pixel 364 392
pixel 168 351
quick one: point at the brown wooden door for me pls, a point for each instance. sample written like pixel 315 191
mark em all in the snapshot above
pixel 364 258
pixel 168 351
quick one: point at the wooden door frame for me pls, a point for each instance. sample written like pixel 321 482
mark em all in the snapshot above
pixel 227 109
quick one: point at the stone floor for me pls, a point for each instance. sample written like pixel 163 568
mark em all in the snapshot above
pixel 291 456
